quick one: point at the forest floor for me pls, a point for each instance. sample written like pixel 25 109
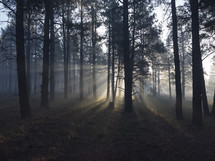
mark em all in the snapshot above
pixel 96 131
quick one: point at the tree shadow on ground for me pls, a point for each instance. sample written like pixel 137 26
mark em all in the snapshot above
pixel 96 131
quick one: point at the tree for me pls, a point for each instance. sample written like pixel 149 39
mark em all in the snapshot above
pixel 81 86
pixel 196 62
pixel 109 61
pixel 52 56
pixel 94 26
pixel 22 81
pixel 179 114
pixel 45 72
pixel 127 60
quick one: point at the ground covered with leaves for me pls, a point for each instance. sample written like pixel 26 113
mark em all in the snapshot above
pixel 97 131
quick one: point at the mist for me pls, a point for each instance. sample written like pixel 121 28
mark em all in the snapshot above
pixel 107 80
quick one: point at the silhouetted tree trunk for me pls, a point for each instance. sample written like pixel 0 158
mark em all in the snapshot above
pixel 45 72
pixel 109 54
pixel 213 108
pixel 28 52
pixel 183 63
pixel 35 69
pixel 94 19
pixel 127 60
pixel 169 76
pixel 118 76
pixel 113 59
pixel 81 88
pixel 74 73
pixel 154 79
pixel 52 57
pixel 22 82
pixel 179 114
pixel 10 70
pixel 68 46
pixel 158 81
pixel 204 95
pixel 196 61
pixel 65 53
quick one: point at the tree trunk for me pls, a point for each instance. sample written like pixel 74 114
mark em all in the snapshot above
pixel 183 64
pixel 81 88
pixel 74 74
pixel 169 75
pixel 109 50
pixel 45 72
pixel 28 53
pixel 179 114
pixel 127 60
pixel 113 59
pixel 68 50
pixel 65 54
pixel 94 19
pixel 22 81
pixel 204 95
pixel 196 61
pixel 213 108
pixel 10 70
pixel 158 81
pixel 52 57
pixel 35 69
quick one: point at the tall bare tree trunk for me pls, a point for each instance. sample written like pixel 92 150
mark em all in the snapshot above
pixel 68 48
pixel 158 81
pixel 196 61
pixel 109 53
pixel 94 19
pixel 183 63
pixel 169 76
pixel 22 81
pixel 81 88
pixel 127 60
pixel 28 52
pixel 204 94
pixel 179 114
pixel 35 69
pixel 52 57
pixel 65 53
pixel 113 59
pixel 213 107
pixel 45 72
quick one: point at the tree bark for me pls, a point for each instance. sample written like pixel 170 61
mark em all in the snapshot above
pixel 28 53
pixel 22 81
pixel 183 63
pixel 35 69
pixel 52 57
pixel 68 48
pixel 45 72
pixel 158 81
pixel 179 114
pixel 109 53
pixel 127 61
pixel 213 108
pixel 65 54
pixel 94 19
pixel 113 59
pixel 169 75
pixel 196 61
pixel 81 85
pixel 204 95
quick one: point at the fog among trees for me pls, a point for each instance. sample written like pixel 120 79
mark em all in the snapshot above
pixel 107 80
